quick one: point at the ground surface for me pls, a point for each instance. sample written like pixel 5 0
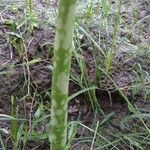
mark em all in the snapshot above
pixel 27 76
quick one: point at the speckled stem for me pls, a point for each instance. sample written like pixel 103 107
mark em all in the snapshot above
pixel 61 71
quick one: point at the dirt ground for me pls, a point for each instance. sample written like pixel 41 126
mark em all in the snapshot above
pixel 15 75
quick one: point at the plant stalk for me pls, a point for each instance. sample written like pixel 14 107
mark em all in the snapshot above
pixel 61 72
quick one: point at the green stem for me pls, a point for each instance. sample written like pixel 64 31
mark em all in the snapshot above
pixel 14 125
pixel 61 72
pixel 30 6
pixel 109 57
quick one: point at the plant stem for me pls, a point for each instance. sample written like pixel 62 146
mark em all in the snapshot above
pixel 14 125
pixel 110 54
pixel 61 72
pixel 30 6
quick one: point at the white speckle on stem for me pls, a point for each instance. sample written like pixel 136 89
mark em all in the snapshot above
pixel 69 28
pixel 59 112
pixel 63 142
pixel 52 137
pixel 63 103
pixel 54 122
pixel 65 106
pixel 62 83
pixel 54 65
pixel 54 103
pixel 67 61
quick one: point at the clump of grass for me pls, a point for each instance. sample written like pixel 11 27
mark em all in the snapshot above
pixel 109 57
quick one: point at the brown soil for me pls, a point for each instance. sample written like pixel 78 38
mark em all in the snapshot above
pixel 14 80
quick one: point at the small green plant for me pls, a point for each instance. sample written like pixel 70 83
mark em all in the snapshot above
pixel 32 18
pixel 14 125
pixel 109 57
pixel 18 43
pixel 106 7
pixel 61 71
pixel 90 11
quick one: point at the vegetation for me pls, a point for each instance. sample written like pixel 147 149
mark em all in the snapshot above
pixel 107 101
pixel 61 71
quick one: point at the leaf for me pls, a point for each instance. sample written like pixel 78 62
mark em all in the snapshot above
pixel 80 92
pixel 107 117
